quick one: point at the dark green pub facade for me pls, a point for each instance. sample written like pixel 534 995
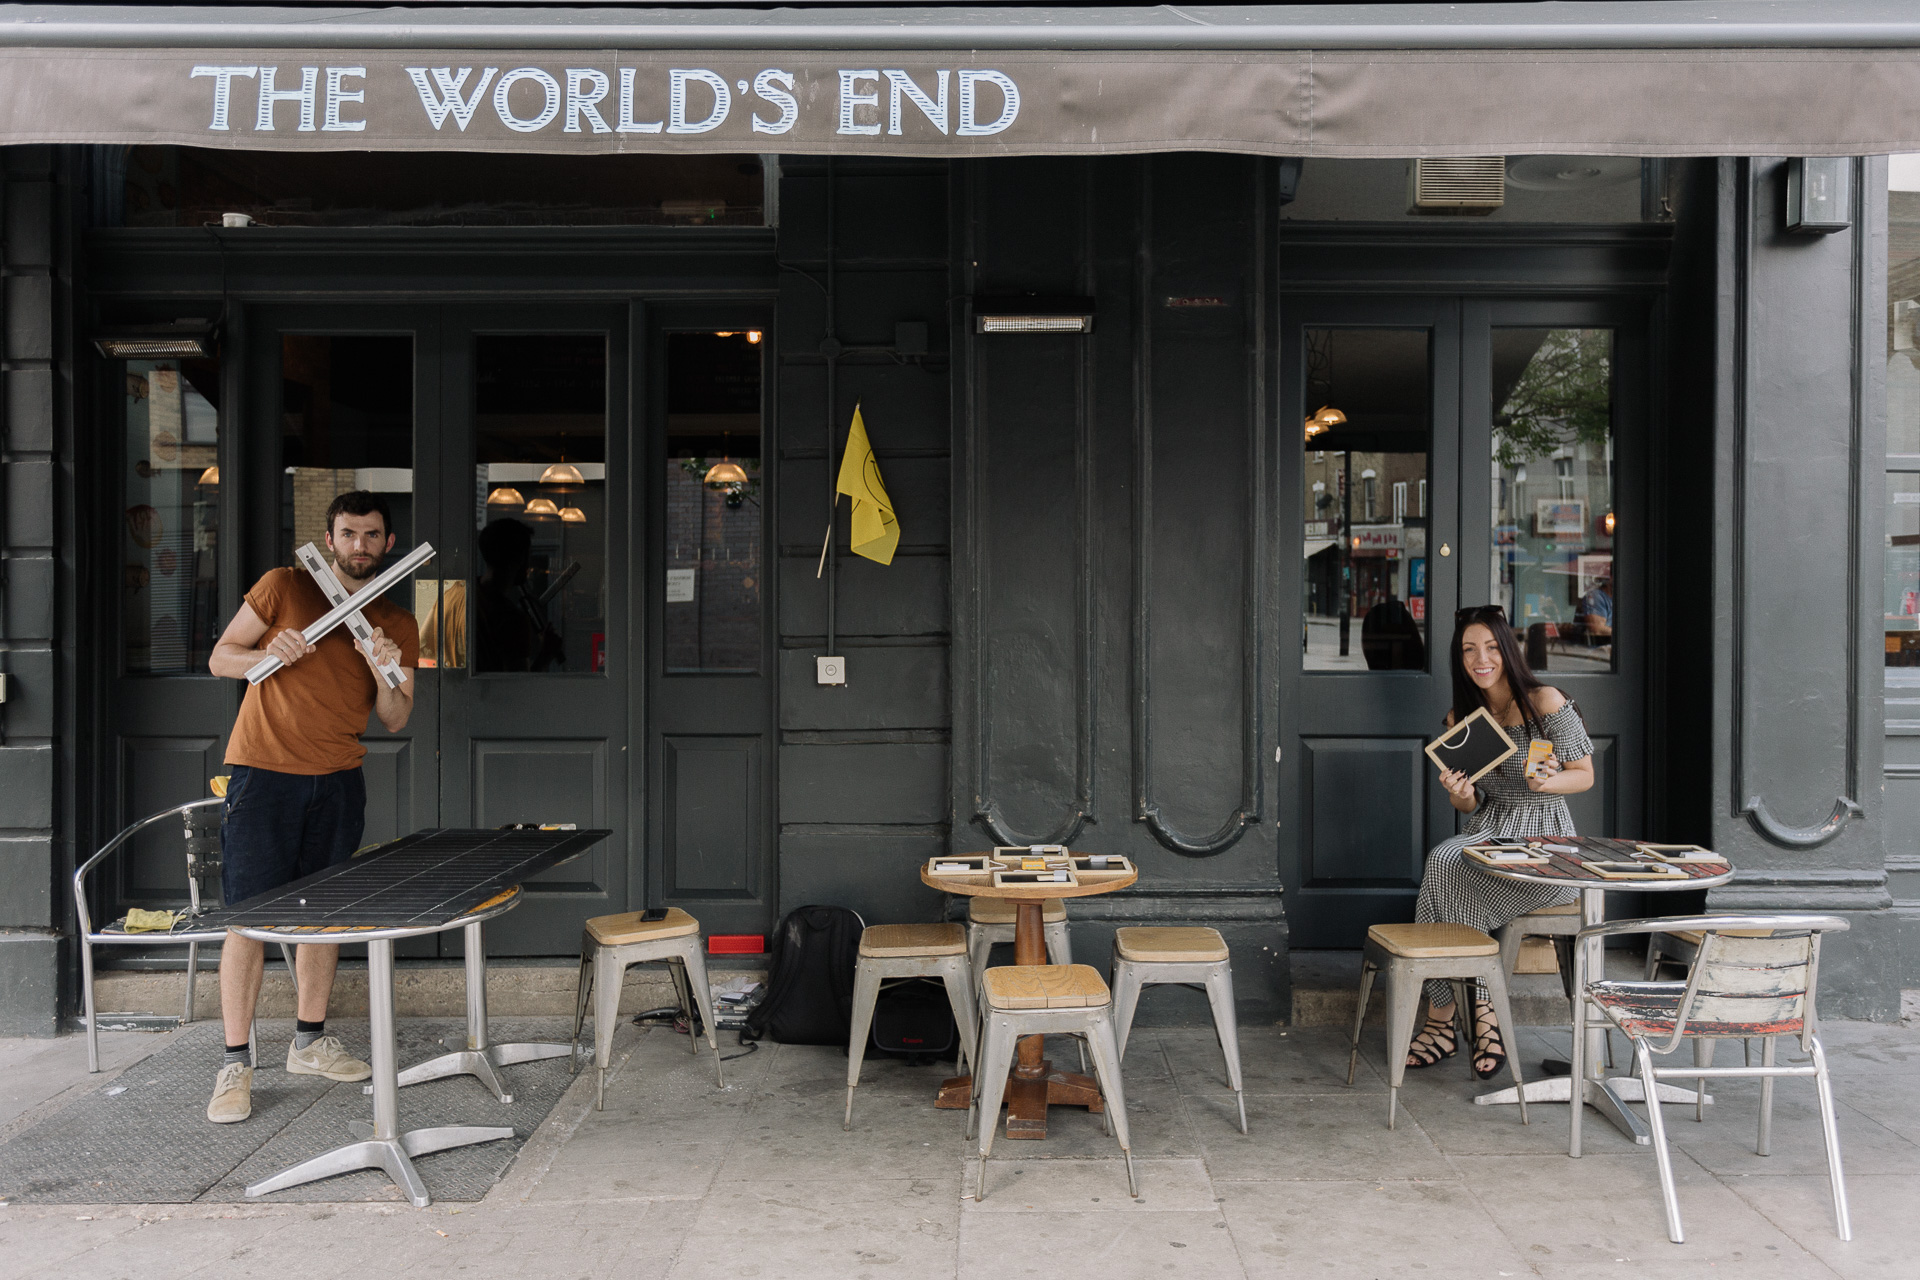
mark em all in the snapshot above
pixel 1211 363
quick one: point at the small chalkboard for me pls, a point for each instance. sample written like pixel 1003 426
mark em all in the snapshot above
pixel 1475 746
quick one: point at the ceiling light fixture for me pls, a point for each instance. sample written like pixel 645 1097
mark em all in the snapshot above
pixel 1033 315
pixel 1325 418
pixel 210 479
pixel 182 340
pixel 562 473
pixel 572 515
pixel 542 507
pixel 507 497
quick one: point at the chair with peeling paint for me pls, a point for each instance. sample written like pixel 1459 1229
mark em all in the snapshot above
pixel 1754 976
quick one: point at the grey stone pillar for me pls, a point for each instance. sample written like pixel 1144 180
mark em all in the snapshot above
pixel 1795 528
pixel 35 378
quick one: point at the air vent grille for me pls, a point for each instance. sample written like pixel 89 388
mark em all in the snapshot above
pixel 1457 184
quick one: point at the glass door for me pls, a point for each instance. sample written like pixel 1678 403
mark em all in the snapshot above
pixel 529 623
pixel 1370 558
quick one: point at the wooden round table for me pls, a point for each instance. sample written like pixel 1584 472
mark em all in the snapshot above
pixel 1033 1085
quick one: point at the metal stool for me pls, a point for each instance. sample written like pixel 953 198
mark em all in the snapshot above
pixel 1143 956
pixel 612 943
pixel 1412 953
pixel 990 920
pixel 1679 947
pixel 908 951
pixel 1031 1000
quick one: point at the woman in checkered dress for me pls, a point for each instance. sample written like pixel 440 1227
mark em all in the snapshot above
pixel 1490 670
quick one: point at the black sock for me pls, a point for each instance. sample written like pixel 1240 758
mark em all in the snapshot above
pixel 239 1053
pixel 305 1033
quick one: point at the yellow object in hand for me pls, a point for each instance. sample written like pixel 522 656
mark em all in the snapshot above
pixel 219 784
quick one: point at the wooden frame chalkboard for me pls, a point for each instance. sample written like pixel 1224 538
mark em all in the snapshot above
pixel 1475 746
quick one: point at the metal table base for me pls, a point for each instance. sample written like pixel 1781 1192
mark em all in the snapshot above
pixel 381 1145
pixel 479 1059
pixel 1608 1096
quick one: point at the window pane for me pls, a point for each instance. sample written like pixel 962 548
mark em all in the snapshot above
pixel 1902 585
pixel 713 503
pixel 540 422
pixel 1368 434
pixel 1903 569
pixel 346 423
pixel 169 186
pixel 171 534
pixel 1553 517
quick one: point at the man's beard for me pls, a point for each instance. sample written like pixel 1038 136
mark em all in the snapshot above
pixel 359 573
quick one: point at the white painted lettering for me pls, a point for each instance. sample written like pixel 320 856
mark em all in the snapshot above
pixel 306 95
pixel 527 124
pixel 223 78
pixel 899 85
pixel 627 124
pixel 581 101
pixel 446 100
pixel 331 122
pixel 851 97
pixel 677 121
pixel 970 127
pixel 776 87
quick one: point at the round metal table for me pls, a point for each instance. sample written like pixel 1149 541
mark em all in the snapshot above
pixel 381 1145
pixel 1033 1085
pixel 1607 1095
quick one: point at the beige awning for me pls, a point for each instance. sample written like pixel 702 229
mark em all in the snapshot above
pixel 1629 79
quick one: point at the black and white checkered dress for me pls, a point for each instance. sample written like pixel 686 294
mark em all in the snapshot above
pixel 1455 890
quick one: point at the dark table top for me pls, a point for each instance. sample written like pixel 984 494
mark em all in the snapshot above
pixel 1571 869
pixel 425 879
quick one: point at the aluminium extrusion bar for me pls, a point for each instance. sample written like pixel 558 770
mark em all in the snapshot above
pixel 388 579
pixel 356 622
pixel 1569 24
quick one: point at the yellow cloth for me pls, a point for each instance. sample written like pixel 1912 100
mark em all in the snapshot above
pixel 139 921
pixel 875 531
pixel 219 783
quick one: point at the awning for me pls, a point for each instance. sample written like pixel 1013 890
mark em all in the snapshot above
pixel 1650 79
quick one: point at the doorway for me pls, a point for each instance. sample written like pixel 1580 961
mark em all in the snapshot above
pixel 1451 452
pixel 534 447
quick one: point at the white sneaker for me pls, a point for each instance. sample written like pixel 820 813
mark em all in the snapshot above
pixel 232 1094
pixel 326 1057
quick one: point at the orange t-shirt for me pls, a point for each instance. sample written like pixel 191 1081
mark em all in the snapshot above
pixel 308 718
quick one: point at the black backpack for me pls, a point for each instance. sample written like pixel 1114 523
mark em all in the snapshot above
pixel 809 996
pixel 913 1019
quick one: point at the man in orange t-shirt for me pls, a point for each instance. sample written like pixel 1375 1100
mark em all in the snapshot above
pixel 296 801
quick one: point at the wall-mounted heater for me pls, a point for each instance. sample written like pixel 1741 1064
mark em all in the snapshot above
pixel 1457 184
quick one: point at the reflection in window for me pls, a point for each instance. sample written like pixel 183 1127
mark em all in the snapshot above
pixel 713 503
pixel 1367 436
pixel 170 535
pixel 1901 590
pixel 1553 516
pixel 540 423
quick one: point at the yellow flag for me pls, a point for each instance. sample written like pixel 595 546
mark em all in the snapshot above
pixel 875 531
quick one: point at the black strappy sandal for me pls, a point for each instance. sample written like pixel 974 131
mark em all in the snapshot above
pixel 1427 1049
pixel 1487 1044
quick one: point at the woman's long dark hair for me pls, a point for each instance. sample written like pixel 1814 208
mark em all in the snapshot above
pixel 1468 697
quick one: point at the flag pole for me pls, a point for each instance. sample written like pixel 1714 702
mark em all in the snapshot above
pixel 828 540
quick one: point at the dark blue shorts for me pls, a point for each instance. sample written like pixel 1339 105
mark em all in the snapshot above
pixel 278 827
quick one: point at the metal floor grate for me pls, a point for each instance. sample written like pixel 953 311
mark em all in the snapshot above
pixel 144 1137
pixel 427 878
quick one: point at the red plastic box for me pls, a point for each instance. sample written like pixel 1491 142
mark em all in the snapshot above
pixel 736 944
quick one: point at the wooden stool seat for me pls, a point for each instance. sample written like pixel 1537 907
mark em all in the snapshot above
pixel 1170 944
pixel 1000 911
pixel 617 931
pixel 1046 986
pixel 1432 940
pixel 885 941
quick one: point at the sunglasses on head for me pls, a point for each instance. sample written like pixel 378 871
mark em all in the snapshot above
pixel 1477 611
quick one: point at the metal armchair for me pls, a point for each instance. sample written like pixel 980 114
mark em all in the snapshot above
pixel 1754 976
pixel 202 840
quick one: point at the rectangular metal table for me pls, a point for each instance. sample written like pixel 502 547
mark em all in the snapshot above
pixel 425 883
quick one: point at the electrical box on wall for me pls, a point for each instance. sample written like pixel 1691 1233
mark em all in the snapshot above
pixel 1819 194
pixel 830 670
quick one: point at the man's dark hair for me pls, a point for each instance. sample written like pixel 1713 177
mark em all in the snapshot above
pixel 359 502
